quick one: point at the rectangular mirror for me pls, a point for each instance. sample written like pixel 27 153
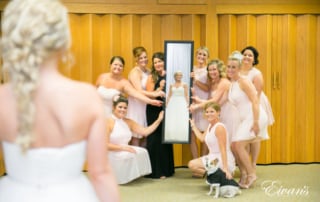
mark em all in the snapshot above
pixel 178 64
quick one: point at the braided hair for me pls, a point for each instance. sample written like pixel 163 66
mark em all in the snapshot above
pixel 32 31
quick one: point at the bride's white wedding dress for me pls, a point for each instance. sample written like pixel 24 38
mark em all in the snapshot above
pixel 45 175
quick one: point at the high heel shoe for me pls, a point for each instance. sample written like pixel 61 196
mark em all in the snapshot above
pixel 243 181
pixel 251 180
pixel 243 178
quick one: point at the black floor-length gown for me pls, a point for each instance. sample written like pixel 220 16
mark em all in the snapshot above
pixel 161 155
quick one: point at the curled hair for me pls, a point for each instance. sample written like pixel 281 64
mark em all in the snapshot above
pixel 220 66
pixel 32 31
pixel 118 99
pixel 137 51
pixel 255 54
pixel 154 73
pixel 214 105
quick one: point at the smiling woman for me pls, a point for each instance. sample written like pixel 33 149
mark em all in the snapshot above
pixel 128 162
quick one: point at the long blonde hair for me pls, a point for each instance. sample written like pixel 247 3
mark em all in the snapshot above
pixel 32 31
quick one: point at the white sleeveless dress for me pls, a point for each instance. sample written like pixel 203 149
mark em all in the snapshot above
pixel 177 116
pixel 241 101
pixel 214 151
pixel 107 95
pixel 46 175
pixel 137 108
pixel 264 101
pixel 127 166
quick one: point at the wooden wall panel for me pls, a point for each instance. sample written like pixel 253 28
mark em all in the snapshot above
pixel 276 95
pixel 171 27
pixel 311 38
pixel 84 53
pixel 227 36
pixel 105 28
pixel 246 31
pixel 285 90
pixel 182 2
pixel 263 39
pixel 147 35
pixel 317 94
pixel 129 38
pixel 157 43
pixel 305 87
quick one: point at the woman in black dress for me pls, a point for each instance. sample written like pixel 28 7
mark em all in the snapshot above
pixel 161 155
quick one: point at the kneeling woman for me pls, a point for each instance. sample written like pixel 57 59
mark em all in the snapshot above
pixel 128 162
pixel 217 140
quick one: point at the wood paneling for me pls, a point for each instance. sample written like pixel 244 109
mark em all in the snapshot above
pixel 268 9
pixel 262 43
pixel 305 69
pixel 135 9
pixel 227 35
pixel 317 94
pixel 181 2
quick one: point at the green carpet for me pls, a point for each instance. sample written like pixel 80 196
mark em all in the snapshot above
pixel 283 183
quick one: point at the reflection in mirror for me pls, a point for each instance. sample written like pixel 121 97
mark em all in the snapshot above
pixel 178 63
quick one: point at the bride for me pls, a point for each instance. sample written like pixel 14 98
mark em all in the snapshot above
pixel 45 141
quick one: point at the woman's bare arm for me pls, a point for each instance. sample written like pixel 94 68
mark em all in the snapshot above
pixel 145 131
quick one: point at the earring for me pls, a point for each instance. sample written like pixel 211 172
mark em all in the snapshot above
pixel 68 59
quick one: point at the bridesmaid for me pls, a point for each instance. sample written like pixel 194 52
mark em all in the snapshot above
pixel 218 86
pixel 252 119
pixel 113 83
pixel 161 155
pixel 217 140
pixel 128 162
pixel 199 73
pixel 249 70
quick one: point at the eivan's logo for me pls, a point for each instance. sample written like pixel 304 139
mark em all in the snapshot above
pixel 276 188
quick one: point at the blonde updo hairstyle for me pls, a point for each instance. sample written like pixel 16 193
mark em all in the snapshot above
pixel 236 56
pixel 137 51
pixel 32 31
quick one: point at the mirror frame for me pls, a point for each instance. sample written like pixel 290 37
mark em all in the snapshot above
pixel 178 57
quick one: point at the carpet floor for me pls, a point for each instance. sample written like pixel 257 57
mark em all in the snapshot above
pixel 283 183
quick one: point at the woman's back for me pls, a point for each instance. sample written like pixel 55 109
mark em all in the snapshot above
pixel 53 165
pixel 42 112
pixel 59 103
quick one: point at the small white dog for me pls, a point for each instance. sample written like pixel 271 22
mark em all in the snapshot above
pixel 216 178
